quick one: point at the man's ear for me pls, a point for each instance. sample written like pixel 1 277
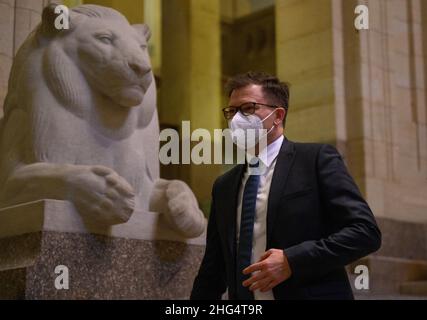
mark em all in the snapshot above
pixel 143 30
pixel 47 28
pixel 282 114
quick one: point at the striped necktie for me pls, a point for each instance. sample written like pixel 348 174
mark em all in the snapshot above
pixel 247 219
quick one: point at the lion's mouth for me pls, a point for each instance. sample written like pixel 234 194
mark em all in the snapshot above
pixel 141 84
pixel 137 87
pixel 126 90
pixel 145 82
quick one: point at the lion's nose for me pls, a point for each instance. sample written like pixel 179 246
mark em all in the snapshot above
pixel 139 69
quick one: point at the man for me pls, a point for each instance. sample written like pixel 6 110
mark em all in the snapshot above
pixel 289 232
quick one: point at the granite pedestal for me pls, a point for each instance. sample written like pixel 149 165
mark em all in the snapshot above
pixel 141 259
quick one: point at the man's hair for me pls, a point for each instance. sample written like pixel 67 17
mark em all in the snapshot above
pixel 275 90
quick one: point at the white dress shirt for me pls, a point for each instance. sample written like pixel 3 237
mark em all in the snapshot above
pixel 267 164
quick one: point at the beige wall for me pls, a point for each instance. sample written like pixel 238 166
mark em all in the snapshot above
pixel 305 59
pixel 394 110
pixel 385 103
pixel 132 9
pixel 363 91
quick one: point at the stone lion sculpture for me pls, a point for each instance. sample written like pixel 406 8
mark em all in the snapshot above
pixel 81 123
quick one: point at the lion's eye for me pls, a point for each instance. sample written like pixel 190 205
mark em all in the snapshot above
pixel 143 46
pixel 105 39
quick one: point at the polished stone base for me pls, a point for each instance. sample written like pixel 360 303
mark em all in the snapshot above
pixel 141 259
pixel 100 267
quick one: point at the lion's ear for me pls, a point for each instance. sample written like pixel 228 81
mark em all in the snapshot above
pixel 144 30
pixel 49 16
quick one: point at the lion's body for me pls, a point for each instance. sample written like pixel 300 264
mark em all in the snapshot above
pixel 63 120
pixel 81 123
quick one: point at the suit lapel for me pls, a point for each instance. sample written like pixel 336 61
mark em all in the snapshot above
pixel 284 163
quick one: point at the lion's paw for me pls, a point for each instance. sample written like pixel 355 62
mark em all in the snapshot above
pixel 177 202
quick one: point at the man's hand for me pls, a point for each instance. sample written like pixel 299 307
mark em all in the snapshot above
pixel 272 269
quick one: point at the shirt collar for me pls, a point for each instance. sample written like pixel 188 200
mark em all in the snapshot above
pixel 268 154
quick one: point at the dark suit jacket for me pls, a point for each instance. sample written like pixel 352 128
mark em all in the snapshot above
pixel 315 213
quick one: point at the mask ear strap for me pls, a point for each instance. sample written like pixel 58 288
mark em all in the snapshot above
pixel 271 129
pixel 268 115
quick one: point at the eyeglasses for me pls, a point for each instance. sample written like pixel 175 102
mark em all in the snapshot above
pixel 246 109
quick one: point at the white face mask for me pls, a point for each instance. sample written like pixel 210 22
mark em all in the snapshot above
pixel 245 130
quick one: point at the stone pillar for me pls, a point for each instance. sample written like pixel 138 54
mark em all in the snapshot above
pixel 131 9
pixel 191 77
pixel 363 91
pixel 153 18
pixel 305 59
pixel 385 98
pixel 7 13
pixel 72 3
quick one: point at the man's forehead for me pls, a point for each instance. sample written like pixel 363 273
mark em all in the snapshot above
pixel 252 90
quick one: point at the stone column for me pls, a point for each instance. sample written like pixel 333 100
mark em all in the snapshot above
pixel 305 59
pixel 133 10
pixel 318 53
pixel 153 18
pixel 191 76
pixel 363 91
pixel 385 98
pixel 7 13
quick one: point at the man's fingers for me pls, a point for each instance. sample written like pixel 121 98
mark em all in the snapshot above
pixel 256 277
pixel 270 286
pixel 265 255
pixel 260 284
pixel 254 267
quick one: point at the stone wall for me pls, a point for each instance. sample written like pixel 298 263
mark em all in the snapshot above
pixel 305 59
pixel 17 19
pixel 386 107
pixel 363 91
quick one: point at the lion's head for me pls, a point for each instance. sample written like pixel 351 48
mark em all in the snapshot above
pixel 111 53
